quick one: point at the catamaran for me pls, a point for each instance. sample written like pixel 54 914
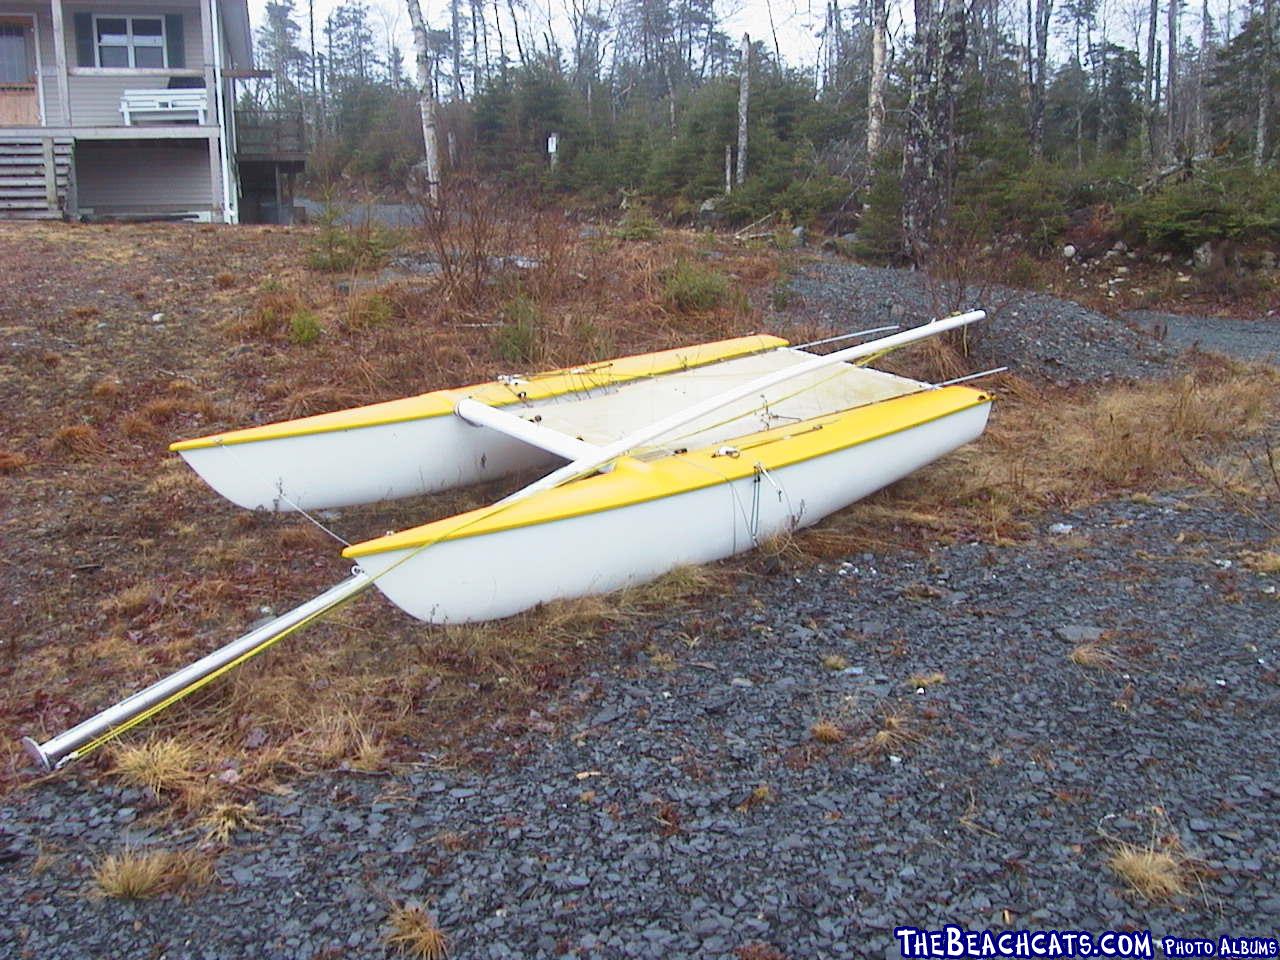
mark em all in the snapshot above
pixel 665 459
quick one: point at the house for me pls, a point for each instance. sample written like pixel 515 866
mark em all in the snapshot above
pixel 126 108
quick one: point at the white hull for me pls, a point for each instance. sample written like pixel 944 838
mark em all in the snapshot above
pixel 361 465
pixel 364 464
pixel 502 573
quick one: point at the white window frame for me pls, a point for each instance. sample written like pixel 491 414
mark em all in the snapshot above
pixel 129 19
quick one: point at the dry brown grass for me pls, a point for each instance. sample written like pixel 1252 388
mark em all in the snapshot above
pixel 79 440
pixel 415 933
pixel 834 662
pixel 923 681
pixel 222 820
pixel 136 874
pixel 758 950
pixel 1153 873
pixel 827 731
pixel 1093 655
pixel 107 388
pixel 1050 448
pixel 161 765
pixel 132 601
pixel 896 733
pixel 757 797
pixel 11 461
pixel 1261 561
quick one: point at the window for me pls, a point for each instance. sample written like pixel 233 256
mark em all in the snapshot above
pixel 129 42
pixel 16 62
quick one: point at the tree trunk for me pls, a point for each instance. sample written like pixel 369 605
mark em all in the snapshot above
pixel 744 97
pixel 515 27
pixel 1080 104
pixel 502 41
pixel 1037 60
pixel 1263 135
pixel 875 87
pixel 426 101
pixel 1150 80
pixel 1171 92
pixel 929 148
pixel 917 149
pixel 955 46
pixel 455 28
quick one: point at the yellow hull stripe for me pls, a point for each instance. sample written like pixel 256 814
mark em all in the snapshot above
pixel 540 386
pixel 633 481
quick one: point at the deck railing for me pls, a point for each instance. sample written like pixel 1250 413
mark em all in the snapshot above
pixel 270 135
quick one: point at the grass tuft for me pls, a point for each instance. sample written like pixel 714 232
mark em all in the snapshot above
pixel 415 933
pixel 159 765
pixel 834 662
pixel 758 796
pixel 1150 872
pixel 304 327
pixel 638 224
pixel 692 288
pixel 224 819
pixel 897 732
pixel 12 461
pixel 369 310
pixel 923 681
pixel 136 874
pixel 131 601
pixel 80 440
pixel 756 950
pixel 1093 655
pixel 1261 561
pixel 827 731
pixel 517 340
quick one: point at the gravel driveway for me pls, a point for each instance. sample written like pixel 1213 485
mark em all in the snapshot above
pixel 1038 335
pixel 631 831
pixel 1246 339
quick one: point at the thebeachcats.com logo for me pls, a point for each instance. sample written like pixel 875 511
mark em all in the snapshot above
pixel 1224 948
pixel 956 943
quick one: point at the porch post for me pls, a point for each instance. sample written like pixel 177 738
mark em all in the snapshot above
pixel 50 173
pixel 216 185
pixel 60 60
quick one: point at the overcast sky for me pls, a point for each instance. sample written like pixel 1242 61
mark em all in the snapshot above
pixel 797 21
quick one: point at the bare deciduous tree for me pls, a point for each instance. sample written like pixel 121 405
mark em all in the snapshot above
pixel 876 82
pixel 426 98
pixel 744 97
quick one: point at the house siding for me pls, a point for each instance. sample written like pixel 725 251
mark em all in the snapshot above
pixel 114 177
pixel 95 101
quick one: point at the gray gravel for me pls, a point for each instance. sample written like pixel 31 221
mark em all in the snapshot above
pixel 1029 767
pixel 1038 335
pixel 1247 339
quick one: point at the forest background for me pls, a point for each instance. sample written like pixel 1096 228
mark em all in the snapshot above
pixel 1006 122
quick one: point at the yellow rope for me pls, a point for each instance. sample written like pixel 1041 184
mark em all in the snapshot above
pixel 204 681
